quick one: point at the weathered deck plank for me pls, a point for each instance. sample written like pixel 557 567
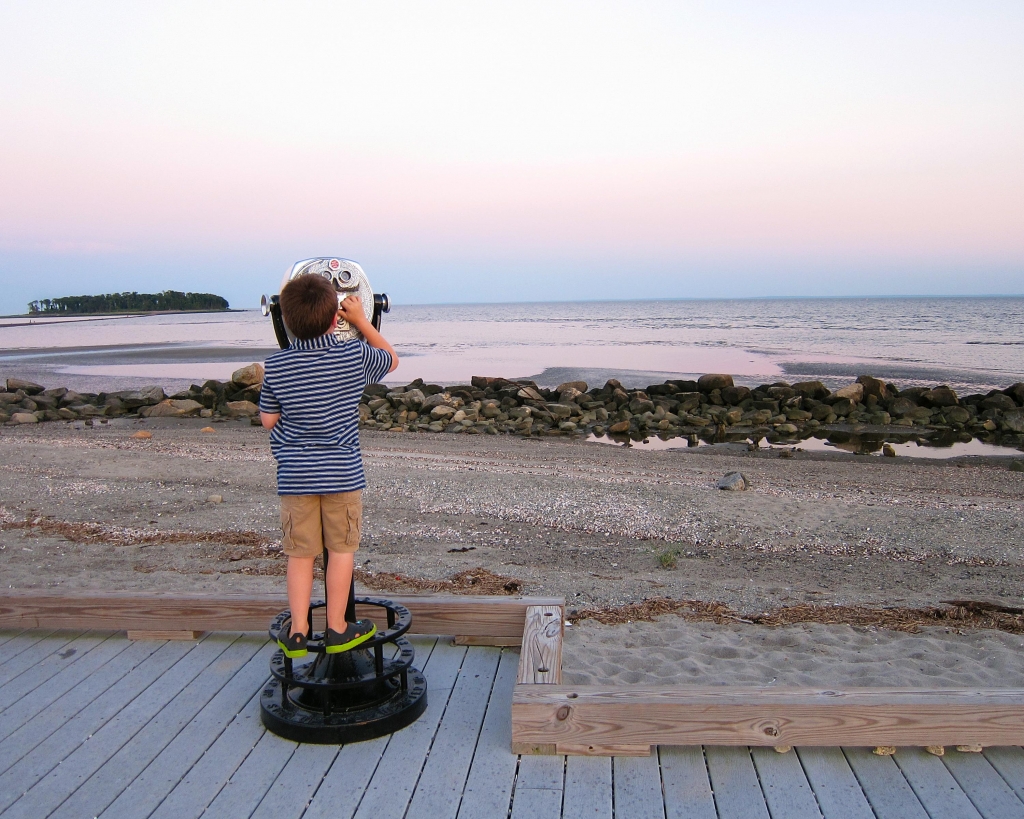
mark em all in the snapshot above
pixel 588 788
pixel 94 795
pixel 884 785
pixel 297 783
pixel 538 791
pixel 834 784
pixel 684 776
pixel 46 794
pixel 734 782
pixel 934 785
pixel 244 791
pixel 174 761
pixel 986 789
pixel 1010 764
pixel 52 685
pixel 488 790
pixel 23 641
pixel 443 779
pixel 45 654
pixel 26 765
pixel 394 780
pixel 784 784
pixel 636 781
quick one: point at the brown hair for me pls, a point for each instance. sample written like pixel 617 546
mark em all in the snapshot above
pixel 309 305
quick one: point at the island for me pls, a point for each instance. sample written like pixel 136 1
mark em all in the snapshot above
pixel 168 300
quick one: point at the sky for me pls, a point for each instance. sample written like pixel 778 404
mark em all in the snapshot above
pixel 527 151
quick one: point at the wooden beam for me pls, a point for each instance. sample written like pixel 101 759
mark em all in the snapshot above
pixel 477 616
pixel 568 719
pixel 540 660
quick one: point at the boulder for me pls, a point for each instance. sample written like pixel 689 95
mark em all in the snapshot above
pixel 28 387
pixel 172 408
pixel 844 406
pixel 902 406
pixel 1013 420
pixel 714 381
pixel 248 376
pixel 441 412
pixel 151 395
pixel 854 392
pixel 811 389
pixel 1016 392
pixel 236 408
pixel 619 426
pixel 581 386
pixel 957 415
pixel 733 395
pixel 569 394
pixel 998 401
pixel 529 394
pixel 940 397
pixel 24 418
pixel 875 387
pixel 733 482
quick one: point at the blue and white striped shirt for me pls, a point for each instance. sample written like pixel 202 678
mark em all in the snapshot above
pixel 316 385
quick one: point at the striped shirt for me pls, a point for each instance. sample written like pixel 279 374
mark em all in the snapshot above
pixel 316 385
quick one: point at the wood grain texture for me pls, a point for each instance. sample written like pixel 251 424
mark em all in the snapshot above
pixel 135 634
pixel 540 660
pixel 498 642
pixel 564 717
pixel 477 616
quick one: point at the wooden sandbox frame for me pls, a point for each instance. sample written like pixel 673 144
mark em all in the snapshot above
pixel 551 718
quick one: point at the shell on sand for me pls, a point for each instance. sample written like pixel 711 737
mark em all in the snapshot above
pixel 143 434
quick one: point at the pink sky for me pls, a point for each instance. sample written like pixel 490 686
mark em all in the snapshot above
pixel 473 138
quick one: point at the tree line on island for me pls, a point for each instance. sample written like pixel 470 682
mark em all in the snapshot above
pixel 130 302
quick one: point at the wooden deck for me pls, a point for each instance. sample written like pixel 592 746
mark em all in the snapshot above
pixel 92 724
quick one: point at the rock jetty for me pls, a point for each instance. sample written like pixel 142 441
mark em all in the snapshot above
pixel 710 408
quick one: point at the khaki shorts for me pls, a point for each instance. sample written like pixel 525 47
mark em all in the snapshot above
pixel 311 522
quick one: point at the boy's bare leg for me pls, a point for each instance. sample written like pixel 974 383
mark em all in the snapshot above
pixel 339 580
pixel 300 589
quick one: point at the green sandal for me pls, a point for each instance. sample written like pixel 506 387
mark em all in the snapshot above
pixel 354 634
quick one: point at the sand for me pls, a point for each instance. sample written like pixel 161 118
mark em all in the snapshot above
pixel 672 651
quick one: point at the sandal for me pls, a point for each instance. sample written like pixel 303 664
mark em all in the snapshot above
pixel 294 646
pixel 355 633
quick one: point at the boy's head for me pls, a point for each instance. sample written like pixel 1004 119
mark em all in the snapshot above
pixel 309 305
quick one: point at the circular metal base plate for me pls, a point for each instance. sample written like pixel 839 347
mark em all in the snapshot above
pixel 352 721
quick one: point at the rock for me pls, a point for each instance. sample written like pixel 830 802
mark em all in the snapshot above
pixel 441 412
pixel 786 429
pixel 206 413
pixel 490 410
pixel 714 381
pixel 435 400
pixel 940 397
pixel 151 395
pixel 173 408
pixel 888 451
pixel 580 386
pixel 957 415
pixel 811 389
pixel 902 406
pixel 248 376
pixel 853 392
pixel 24 418
pixel 413 398
pixel 1013 420
pixel 567 426
pixel 733 395
pixel 844 406
pixel 28 387
pixel 560 410
pixel 529 394
pixel 875 387
pixel 734 482
pixel 620 426
pixel 999 401
pixel 1016 392
pixel 570 394
pixel 215 499
pixel 1017 466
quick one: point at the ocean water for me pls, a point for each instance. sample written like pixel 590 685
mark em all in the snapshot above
pixel 971 344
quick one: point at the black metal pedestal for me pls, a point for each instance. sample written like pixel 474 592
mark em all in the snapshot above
pixel 348 697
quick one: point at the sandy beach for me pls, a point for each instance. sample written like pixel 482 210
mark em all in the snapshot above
pixel 94 508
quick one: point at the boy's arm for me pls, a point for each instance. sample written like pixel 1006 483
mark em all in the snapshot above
pixel 269 419
pixel 351 309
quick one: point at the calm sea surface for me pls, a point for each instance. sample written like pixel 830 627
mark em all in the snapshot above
pixel 971 344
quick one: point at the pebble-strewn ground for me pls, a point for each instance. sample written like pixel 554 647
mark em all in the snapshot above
pixel 598 524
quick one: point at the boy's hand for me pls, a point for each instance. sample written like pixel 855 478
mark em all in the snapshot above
pixel 351 310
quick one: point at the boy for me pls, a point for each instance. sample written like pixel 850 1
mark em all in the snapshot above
pixel 310 404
